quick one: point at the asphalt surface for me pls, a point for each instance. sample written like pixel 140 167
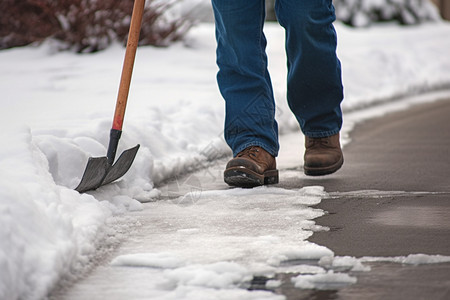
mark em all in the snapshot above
pixel 391 198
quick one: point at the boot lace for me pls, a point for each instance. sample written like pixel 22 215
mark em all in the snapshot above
pixel 250 151
pixel 318 142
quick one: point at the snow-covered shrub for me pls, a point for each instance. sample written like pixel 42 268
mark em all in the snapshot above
pixel 361 13
pixel 86 25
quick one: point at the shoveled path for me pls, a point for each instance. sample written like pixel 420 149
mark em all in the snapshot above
pixel 391 198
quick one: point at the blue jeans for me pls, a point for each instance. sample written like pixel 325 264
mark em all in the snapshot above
pixel 314 91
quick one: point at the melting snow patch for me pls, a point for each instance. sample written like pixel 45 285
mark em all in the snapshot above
pixel 326 281
pixel 151 260
pixel 225 238
pixel 306 252
pixel 217 275
pixel 343 263
pixel 273 284
pixel 412 259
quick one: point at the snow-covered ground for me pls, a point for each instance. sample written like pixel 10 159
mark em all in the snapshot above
pixel 57 111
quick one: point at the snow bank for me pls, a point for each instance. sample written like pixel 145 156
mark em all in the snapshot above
pixel 387 62
pixel 47 231
pixel 57 110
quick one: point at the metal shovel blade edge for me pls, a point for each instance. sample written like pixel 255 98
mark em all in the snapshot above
pixel 98 172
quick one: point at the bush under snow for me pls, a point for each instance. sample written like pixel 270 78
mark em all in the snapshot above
pixel 360 13
pixel 86 25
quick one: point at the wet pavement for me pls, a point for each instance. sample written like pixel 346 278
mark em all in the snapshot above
pixel 406 151
pixel 391 198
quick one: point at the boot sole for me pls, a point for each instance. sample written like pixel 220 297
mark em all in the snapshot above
pixel 245 178
pixel 325 170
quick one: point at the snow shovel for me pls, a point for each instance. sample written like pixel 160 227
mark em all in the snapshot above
pixel 102 170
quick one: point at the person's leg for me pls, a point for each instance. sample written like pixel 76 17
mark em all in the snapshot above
pixel 243 77
pixel 250 127
pixel 315 88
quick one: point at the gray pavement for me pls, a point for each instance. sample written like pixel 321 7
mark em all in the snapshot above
pixel 406 151
pixel 403 151
pixel 391 198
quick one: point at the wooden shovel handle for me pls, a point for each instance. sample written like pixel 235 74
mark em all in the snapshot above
pixel 128 63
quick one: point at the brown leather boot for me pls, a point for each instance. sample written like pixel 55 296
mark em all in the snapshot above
pixel 252 167
pixel 323 155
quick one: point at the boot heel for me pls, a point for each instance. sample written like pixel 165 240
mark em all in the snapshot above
pixel 271 177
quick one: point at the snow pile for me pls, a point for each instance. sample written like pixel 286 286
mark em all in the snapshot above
pixel 47 231
pixel 57 110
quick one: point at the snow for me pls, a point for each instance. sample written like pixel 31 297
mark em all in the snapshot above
pixel 412 259
pixel 152 260
pixel 46 230
pixel 273 284
pixel 326 281
pixel 209 230
pixel 343 263
pixel 57 110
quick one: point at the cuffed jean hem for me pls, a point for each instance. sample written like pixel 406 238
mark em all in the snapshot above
pixel 321 134
pixel 272 151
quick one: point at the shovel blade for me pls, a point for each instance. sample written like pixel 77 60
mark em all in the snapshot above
pixel 98 172
pixel 93 175
pixel 121 166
